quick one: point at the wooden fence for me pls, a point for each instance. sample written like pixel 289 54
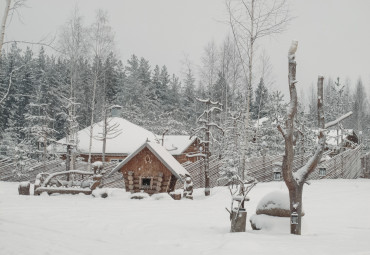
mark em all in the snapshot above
pixel 365 164
pixel 349 164
pixel 33 167
pixel 346 165
pixel 196 171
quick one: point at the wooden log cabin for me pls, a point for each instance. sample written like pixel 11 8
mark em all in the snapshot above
pixel 127 139
pixel 152 169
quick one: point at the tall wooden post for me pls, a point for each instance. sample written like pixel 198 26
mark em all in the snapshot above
pixel 207 190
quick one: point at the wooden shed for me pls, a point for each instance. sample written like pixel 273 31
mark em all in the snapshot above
pixel 181 147
pixel 151 168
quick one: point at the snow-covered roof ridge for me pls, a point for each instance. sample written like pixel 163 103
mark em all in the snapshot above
pixel 162 154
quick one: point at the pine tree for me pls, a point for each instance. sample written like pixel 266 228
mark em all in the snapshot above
pixel 261 97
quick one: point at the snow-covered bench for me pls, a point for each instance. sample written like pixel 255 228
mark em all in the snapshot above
pixel 67 182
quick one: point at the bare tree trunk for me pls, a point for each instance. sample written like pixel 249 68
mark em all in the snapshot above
pixel 3 23
pixel 295 181
pixel 68 158
pixel 92 121
pixel 104 133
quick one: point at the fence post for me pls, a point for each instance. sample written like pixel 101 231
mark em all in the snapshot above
pixel 341 161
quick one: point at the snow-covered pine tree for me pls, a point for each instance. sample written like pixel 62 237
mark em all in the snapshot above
pixel 259 104
pixel 39 131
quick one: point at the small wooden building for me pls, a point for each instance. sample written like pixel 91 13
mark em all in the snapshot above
pixel 181 147
pixel 152 169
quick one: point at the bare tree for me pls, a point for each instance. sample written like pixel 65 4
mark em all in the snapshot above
pixel 3 23
pixel 101 43
pixel 207 124
pixel 295 180
pixel 74 45
pixel 110 129
pixel 251 20
pixel 11 6
pixel 209 68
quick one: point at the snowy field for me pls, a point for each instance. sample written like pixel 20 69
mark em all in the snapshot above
pixel 337 221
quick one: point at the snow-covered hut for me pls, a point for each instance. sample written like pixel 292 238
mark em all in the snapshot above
pixel 151 168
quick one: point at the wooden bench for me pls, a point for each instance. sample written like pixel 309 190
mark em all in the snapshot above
pixel 67 182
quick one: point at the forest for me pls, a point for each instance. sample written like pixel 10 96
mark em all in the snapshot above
pixel 54 90
pixel 38 87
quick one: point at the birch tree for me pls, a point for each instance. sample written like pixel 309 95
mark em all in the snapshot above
pixel 101 44
pixel 73 42
pixel 3 23
pixel 250 21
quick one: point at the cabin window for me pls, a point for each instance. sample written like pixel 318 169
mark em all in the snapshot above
pixel 116 160
pixel 146 183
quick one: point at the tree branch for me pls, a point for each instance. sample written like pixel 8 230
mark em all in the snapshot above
pixel 335 122
pixel 10 83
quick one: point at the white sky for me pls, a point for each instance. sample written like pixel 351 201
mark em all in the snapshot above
pixel 333 35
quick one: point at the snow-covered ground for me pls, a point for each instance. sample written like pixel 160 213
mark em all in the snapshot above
pixel 337 221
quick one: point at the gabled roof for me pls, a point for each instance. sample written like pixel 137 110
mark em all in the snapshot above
pixel 162 154
pixel 177 144
pixel 126 139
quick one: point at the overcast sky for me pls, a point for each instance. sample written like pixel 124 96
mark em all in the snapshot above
pixel 333 35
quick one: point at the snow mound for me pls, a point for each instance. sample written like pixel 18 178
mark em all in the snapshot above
pixel 275 204
pixel 111 193
pixel 161 196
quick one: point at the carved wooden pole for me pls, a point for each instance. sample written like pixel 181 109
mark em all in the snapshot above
pixel 320 102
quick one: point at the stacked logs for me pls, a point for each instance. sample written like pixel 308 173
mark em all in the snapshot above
pixel 130 181
pixel 133 183
pixel 157 182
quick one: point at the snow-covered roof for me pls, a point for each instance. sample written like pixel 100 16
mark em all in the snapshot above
pixel 331 136
pixel 162 154
pixel 129 138
pixel 177 144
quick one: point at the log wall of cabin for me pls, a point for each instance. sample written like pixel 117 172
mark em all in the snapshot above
pixel 99 157
pixel 146 165
pixel 193 148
